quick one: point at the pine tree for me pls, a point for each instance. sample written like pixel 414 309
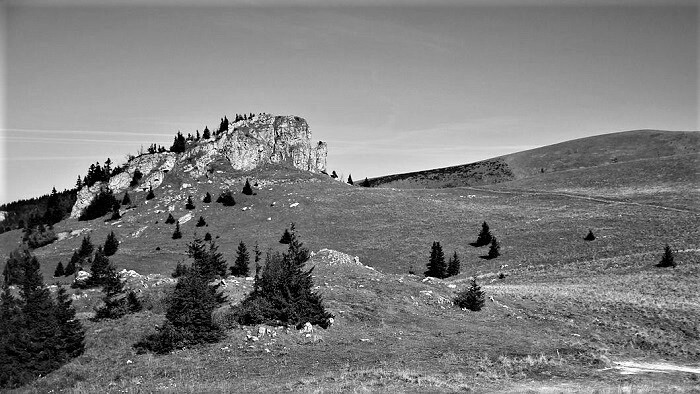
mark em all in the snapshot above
pixel 590 236
pixel 284 294
pixel 111 244
pixel 59 271
pixel 494 249
pixel 190 204
pixel 207 198
pixel 75 263
pixel 79 183
pixel 11 371
pixel 100 205
pixel 180 270
pixel 207 134
pixel 133 302
pixel 99 270
pixel 12 273
pixel 170 219
pixel 177 234
pixel 334 175
pixel 240 267
pixel 366 182
pixel 126 200
pixel 436 266
pixel 247 190
pixel 350 182
pixel 207 237
pixel 484 237
pixel 201 222
pixel 86 247
pixel 136 178
pixel 116 215
pixel 150 194
pixel 453 266
pixel 115 301
pixel 179 143
pixel 286 237
pixel 71 340
pixel 667 258
pixel 472 298
pixel 209 263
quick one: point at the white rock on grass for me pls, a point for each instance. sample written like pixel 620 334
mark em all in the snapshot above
pixel 184 219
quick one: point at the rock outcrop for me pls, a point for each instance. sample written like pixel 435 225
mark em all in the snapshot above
pixel 263 139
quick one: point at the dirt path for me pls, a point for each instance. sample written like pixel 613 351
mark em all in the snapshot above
pixel 633 368
pixel 581 197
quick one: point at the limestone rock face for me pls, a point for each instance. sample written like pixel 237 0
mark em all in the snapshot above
pixel 263 139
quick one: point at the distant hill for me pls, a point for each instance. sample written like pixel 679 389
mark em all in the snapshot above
pixel 584 153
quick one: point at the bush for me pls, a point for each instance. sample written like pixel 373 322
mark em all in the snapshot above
pixel 226 199
pixel 471 298
pixel 667 258
pixel 100 205
pixel 39 236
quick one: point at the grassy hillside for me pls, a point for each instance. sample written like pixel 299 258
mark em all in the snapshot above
pixel 584 153
pixel 563 313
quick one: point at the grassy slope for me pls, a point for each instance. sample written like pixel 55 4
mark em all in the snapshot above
pixel 600 150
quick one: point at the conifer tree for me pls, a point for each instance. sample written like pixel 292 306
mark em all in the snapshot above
pixel 190 204
pixel 207 198
pixel 484 237
pixel 12 273
pixel 472 298
pixel 86 247
pixel 286 237
pixel 240 267
pixel 207 134
pixel 334 175
pixel 453 265
pixel 226 199
pixel 366 182
pixel 127 199
pixel 180 270
pixel 71 340
pixel 11 371
pixel 115 301
pixel 207 237
pixel 136 178
pixel 590 236
pixel 179 143
pixel 170 219
pixel 350 182
pixel 667 258
pixel 75 263
pixel 79 183
pixel 247 190
pixel 436 266
pixel 201 222
pixel 209 263
pixel 284 294
pixel 111 244
pixel 116 215
pixel 177 234
pixel 59 271
pixel 100 205
pixel 150 194
pixel 99 270
pixel 494 249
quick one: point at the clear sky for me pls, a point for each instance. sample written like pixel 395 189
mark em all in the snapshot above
pixel 404 86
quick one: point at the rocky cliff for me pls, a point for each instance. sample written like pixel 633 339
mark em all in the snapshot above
pixel 263 139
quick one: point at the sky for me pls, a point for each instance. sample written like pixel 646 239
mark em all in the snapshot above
pixel 391 86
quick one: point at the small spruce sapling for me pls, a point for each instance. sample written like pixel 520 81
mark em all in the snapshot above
pixel 494 249
pixel 453 266
pixel 286 237
pixel 59 271
pixel 471 298
pixel 177 234
pixel 484 237
pixel 226 199
pixel 207 198
pixel 350 182
pixel 247 190
pixel 190 204
pixel 111 244
pixel 590 236
pixel 201 222
pixel 207 237
pixel 150 194
pixel 86 247
pixel 436 265
pixel 667 258
pixel 126 200
pixel 240 266
pixel 116 215
pixel 170 219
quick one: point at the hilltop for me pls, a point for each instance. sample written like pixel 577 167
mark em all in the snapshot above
pixel 604 153
pixel 561 312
